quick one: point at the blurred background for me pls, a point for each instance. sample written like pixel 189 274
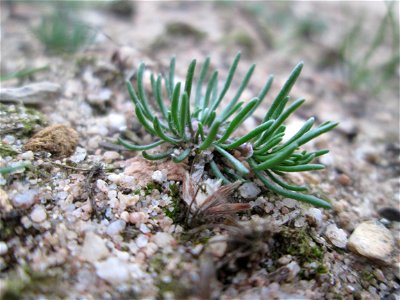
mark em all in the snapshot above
pixel 350 49
pixel 356 43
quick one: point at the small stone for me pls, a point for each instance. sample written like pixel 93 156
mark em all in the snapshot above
pixel 113 270
pixel 249 190
pixel 34 93
pixel 109 156
pixel 116 121
pixel 284 260
pixel 379 275
pixel 25 199
pixel 59 140
pixel 163 239
pixel 285 210
pixel 102 185
pixel 5 201
pixel 143 228
pixel 125 216
pixel 138 217
pixel 397 270
pixel 28 155
pixel 289 203
pixel 142 240
pixel 294 269
pixel 314 216
pixel 3 248
pixel 159 176
pixel 94 248
pixel 344 180
pixel 38 214
pixel 337 236
pixel 115 227
pixel 218 245
pixel 79 155
pixel 372 240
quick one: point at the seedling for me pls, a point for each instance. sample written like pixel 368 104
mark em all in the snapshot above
pixel 189 131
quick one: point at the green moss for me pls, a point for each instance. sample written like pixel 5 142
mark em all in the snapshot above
pixel 243 40
pixel 150 187
pixel 29 284
pixel 174 210
pixel 300 245
pixel 174 287
pixel 19 120
pixel 7 150
pixel 184 30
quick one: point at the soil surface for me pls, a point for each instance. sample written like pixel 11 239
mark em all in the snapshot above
pixel 82 218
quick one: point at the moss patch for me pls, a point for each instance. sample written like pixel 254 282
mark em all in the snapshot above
pixel 7 150
pixel 29 284
pixel 174 210
pixel 19 120
pixel 300 245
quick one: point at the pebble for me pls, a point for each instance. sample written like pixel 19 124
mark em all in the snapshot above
pixel 294 269
pixel 314 216
pixel 372 240
pixel 109 156
pixel 3 248
pixel 284 260
pixel 4 201
pixel 38 214
pixel 114 177
pixel 28 155
pixel 337 236
pixel 34 93
pixel 113 270
pixel 379 275
pixel 217 245
pixel 102 185
pixel 25 199
pixel 397 270
pixel 79 155
pixel 344 180
pixel 115 227
pixel 94 248
pixel 143 228
pixel 289 203
pixel 138 217
pixel 142 240
pixel 249 190
pixel 159 176
pixel 116 121
pixel 163 239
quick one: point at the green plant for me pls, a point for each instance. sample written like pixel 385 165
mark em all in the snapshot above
pixel 60 33
pixel 190 132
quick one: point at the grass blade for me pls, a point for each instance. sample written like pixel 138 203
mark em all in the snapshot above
pixel 235 162
pixel 189 77
pixel 252 134
pixel 299 168
pixel 285 90
pixel 203 72
pixel 181 157
pixel 211 136
pixel 289 194
pixel 133 147
pixel 239 119
pixel 217 172
pixel 157 156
